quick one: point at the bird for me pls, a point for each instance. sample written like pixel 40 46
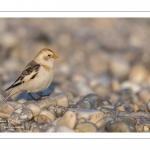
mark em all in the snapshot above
pixel 36 76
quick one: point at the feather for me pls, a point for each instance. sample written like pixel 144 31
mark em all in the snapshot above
pixel 30 72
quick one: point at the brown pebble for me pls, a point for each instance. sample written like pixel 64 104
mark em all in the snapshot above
pixel 69 119
pixel 135 107
pixel 146 128
pixel 121 108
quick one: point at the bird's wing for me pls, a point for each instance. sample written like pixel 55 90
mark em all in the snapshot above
pixel 30 71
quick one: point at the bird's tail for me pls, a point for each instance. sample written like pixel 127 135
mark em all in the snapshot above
pixel 13 92
pixel 6 98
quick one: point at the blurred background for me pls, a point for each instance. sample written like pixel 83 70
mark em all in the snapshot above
pixel 109 57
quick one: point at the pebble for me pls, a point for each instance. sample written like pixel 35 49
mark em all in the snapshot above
pixel 121 108
pixel 19 106
pixel 109 119
pixel 64 129
pixel 131 85
pixel 115 85
pixel 61 99
pixel 26 114
pixel 5 110
pixel 118 126
pixel 90 101
pixel 22 101
pixel 101 125
pixel 69 119
pixel 46 102
pixel 119 67
pixel 51 129
pixel 138 74
pixel 144 96
pixel 3 124
pixel 45 117
pixel 135 107
pixel 40 127
pixel 146 128
pixel 86 127
pixel 14 119
pixel 34 108
pixel 82 88
pixel 60 111
pixel 101 91
pixel 92 116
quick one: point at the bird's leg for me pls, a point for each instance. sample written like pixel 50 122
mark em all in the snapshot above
pixel 42 95
pixel 33 97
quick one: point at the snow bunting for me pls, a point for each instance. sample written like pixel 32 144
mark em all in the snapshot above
pixel 36 76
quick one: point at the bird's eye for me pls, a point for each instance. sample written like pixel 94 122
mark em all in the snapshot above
pixel 49 55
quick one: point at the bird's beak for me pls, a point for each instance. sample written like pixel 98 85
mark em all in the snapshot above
pixel 55 56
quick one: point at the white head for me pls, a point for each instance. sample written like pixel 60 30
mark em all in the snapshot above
pixel 46 57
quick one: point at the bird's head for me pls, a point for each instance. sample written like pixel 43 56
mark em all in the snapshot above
pixel 46 56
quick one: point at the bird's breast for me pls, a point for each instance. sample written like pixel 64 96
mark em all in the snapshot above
pixel 41 81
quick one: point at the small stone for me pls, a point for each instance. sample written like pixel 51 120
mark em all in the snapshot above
pixel 5 110
pixel 82 88
pixel 146 128
pixel 109 119
pixel 34 108
pixel 46 102
pixel 86 127
pixel 76 99
pixel 26 114
pixel 135 107
pixel 95 118
pixel 119 67
pixel 40 127
pixel 129 121
pixel 90 101
pixel 144 96
pixel 3 124
pixel 92 116
pixel 60 111
pixel 131 85
pixel 69 119
pixel 9 40
pixel 56 121
pixel 45 116
pixel 81 120
pixel 12 103
pixel 78 78
pixel 118 126
pixel 64 129
pixel 143 108
pixel 51 129
pixel 61 99
pixel 138 74
pixel 101 91
pixel 22 101
pixel 105 103
pixel 101 125
pixel 115 85
pixel 121 108
pixel 37 129
pixel 19 106
pixel 14 119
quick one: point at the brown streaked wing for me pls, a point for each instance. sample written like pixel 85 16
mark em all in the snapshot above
pixel 29 72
